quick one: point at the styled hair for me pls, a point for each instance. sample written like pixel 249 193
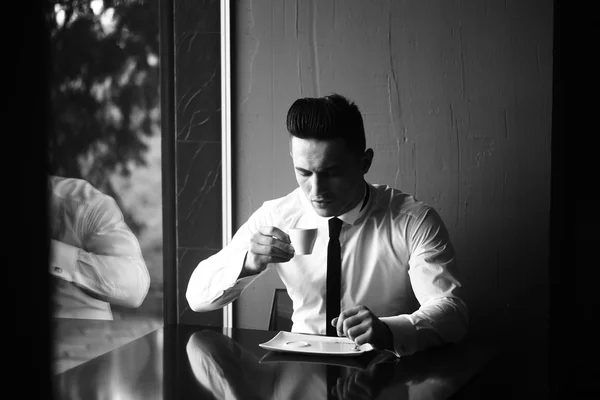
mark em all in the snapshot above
pixel 326 118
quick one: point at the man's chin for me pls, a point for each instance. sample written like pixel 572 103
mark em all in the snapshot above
pixel 324 212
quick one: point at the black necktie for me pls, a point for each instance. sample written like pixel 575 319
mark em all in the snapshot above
pixel 334 267
pixel 333 373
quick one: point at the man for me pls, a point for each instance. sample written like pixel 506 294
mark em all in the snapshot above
pixel 95 259
pixel 399 288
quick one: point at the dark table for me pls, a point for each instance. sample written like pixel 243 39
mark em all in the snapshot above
pixel 194 362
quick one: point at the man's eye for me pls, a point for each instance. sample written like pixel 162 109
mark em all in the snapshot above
pixel 335 172
pixel 303 173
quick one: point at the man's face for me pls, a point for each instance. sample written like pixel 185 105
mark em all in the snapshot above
pixel 330 176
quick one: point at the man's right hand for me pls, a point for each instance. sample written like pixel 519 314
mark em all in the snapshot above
pixel 268 245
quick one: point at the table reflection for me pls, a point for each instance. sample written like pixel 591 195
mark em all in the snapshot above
pixel 230 371
pixel 192 362
pixel 132 371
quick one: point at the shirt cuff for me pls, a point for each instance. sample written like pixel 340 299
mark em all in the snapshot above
pixel 404 334
pixel 235 286
pixel 230 275
pixel 63 260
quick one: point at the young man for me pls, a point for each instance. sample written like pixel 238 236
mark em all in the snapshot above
pixel 95 259
pixel 399 289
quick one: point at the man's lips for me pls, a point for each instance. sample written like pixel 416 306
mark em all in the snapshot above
pixel 321 202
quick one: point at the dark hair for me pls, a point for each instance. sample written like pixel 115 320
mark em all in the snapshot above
pixel 325 118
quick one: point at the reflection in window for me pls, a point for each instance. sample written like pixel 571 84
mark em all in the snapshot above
pixel 106 117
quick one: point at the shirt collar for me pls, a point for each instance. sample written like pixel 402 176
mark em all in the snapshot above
pixel 351 216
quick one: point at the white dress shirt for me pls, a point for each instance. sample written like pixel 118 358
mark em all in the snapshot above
pixel 95 259
pixel 397 260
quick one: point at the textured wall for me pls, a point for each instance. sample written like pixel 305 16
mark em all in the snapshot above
pixel 456 97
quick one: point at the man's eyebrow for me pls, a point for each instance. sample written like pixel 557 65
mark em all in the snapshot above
pixel 299 169
pixel 328 168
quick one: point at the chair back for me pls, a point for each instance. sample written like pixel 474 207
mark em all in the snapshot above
pixel 281 311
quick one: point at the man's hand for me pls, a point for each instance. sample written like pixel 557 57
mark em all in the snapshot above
pixel 362 326
pixel 268 245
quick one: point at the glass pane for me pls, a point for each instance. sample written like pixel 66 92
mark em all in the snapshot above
pixel 106 133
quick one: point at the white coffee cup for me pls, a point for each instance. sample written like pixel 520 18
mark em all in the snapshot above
pixel 303 239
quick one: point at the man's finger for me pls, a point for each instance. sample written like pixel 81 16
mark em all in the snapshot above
pixel 354 331
pixel 355 326
pixel 350 312
pixel 348 318
pixel 276 243
pixel 339 324
pixel 275 232
pixel 270 246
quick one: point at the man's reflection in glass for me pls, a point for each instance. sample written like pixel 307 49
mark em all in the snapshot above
pixel 95 259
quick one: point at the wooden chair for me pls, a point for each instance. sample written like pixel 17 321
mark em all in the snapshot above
pixel 281 311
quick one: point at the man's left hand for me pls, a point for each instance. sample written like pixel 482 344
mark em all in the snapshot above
pixel 362 326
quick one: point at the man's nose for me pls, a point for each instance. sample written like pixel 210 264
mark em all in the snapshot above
pixel 318 186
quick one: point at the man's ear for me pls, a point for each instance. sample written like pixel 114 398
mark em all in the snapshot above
pixel 367 160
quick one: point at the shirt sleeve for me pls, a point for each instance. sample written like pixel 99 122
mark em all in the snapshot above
pixel 214 282
pixel 442 316
pixel 110 265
